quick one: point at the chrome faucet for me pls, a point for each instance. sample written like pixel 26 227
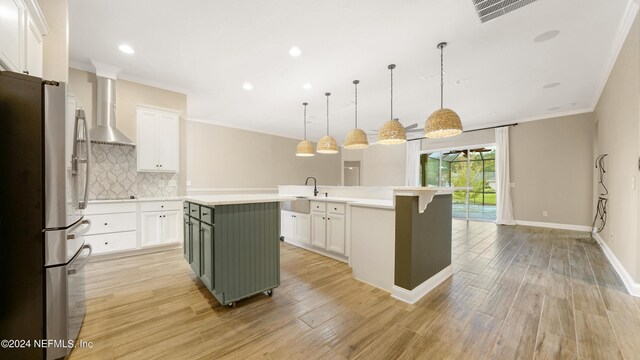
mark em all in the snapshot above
pixel 315 185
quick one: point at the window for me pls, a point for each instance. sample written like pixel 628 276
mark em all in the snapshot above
pixel 471 172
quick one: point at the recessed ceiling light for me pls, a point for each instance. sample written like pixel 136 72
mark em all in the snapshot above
pixel 295 51
pixel 546 36
pixel 306 86
pixel 551 85
pixel 554 108
pixel 247 86
pixel 462 81
pixel 126 49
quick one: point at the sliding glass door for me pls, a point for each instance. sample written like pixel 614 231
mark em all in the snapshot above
pixel 471 173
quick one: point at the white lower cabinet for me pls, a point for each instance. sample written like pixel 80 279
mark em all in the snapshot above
pixel 294 226
pixel 328 226
pixel 335 233
pixel 127 226
pixel 159 228
pixel 319 229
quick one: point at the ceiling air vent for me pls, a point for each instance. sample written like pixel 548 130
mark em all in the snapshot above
pixel 490 9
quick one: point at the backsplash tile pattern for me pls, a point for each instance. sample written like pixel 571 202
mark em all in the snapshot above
pixel 114 175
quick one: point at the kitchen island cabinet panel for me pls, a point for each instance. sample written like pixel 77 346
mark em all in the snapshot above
pixel 238 255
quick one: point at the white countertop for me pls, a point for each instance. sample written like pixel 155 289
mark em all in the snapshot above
pixel 174 198
pixel 230 199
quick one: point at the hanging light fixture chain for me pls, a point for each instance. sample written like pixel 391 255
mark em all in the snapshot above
pixel 327 94
pixel 356 86
pixel 305 120
pixel 441 46
pixel 391 68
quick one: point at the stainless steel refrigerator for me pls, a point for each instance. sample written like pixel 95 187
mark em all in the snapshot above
pixel 44 176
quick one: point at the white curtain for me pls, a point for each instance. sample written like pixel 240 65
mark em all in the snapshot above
pixel 504 213
pixel 413 163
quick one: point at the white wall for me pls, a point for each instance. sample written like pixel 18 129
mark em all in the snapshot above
pixel 381 165
pixel 223 157
pixel 618 124
pixel 56 43
pixel 552 168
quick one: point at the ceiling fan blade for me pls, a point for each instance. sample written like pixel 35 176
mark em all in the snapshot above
pixel 411 126
pixel 415 130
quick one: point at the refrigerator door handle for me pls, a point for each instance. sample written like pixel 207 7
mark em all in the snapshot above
pixel 77 234
pixel 87 141
pixel 76 269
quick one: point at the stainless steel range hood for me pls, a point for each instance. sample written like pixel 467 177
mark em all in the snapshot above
pixel 105 131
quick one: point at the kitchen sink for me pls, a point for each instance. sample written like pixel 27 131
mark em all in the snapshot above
pixel 300 205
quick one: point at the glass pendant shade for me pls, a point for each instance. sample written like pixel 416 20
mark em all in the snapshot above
pixel 305 148
pixel 443 123
pixel 356 139
pixel 392 133
pixel 327 145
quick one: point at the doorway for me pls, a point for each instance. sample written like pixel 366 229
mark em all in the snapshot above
pixel 471 172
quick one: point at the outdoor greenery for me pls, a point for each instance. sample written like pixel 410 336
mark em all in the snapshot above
pixel 455 172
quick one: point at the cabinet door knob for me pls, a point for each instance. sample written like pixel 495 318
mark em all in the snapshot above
pixel 204 213
pixel 106 243
pixel 26 72
pixel 162 206
pixel 105 224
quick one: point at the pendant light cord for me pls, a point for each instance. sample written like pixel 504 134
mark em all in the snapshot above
pixel 441 76
pixel 391 68
pixel 327 94
pixel 305 121
pixel 355 82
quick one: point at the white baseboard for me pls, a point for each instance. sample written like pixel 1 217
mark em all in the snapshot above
pixel 554 225
pixel 632 287
pixel 412 296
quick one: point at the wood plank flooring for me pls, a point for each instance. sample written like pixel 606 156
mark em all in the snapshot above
pixel 516 293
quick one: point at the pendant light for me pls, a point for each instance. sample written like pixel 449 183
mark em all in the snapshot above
pixel 305 148
pixel 443 122
pixel 392 132
pixel 327 144
pixel 357 138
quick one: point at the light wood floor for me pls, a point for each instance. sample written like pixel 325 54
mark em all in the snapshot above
pixel 517 293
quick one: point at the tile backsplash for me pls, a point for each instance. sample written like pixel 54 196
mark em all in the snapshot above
pixel 114 175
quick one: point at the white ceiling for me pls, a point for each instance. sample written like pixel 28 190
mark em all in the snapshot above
pixel 208 49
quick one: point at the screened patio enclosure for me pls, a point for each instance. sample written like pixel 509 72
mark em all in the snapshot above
pixel 472 174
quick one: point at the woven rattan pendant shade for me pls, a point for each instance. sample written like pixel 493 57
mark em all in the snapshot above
pixel 327 144
pixel 392 132
pixel 305 148
pixel 356 138
pixel 442 122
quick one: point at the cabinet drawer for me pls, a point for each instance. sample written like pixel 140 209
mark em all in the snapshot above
pixel 194 210
pixel 110 208
pixel 207 214
pixel 318 206
pixel 336 208
pixel 161 205
pixel 109 223
pixel 107 243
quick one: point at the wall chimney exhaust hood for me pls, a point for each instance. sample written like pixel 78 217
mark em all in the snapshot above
pixel 105 130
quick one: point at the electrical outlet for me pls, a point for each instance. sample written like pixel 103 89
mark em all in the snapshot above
pixel 545 213
pixel 161 182
pixel 173 183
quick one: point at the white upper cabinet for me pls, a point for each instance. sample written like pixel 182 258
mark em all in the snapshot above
pixel 157 139
pixel 21 30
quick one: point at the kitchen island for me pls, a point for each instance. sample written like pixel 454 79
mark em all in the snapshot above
pixel 231 243
pixel 395 238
